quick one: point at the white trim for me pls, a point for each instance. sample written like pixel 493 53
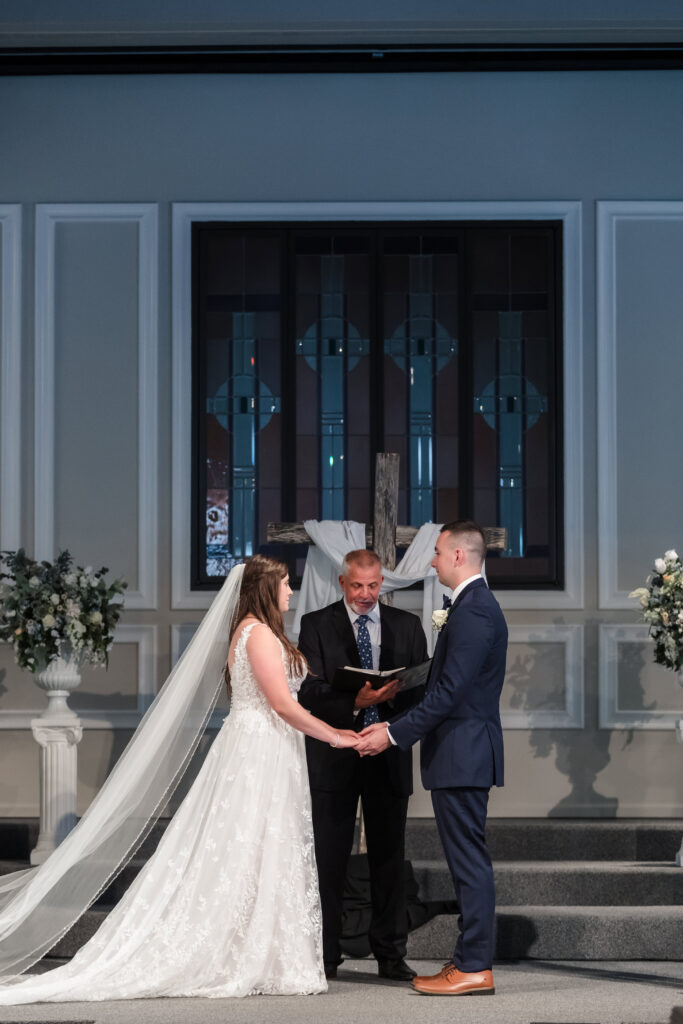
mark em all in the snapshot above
pixel 572 716
pixel 608 214
pixel 145 215
pixel 184 214
pixel 611 715
pixel 10 379
pixel 145 637
pixel 181 634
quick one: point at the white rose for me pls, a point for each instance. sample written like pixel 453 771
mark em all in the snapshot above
pixel 79 628
pixel 48 621
pixel 54 598
pixel 660 565
pixel 34 582
pixel 96 618
pixel 671 556
pixel 439 619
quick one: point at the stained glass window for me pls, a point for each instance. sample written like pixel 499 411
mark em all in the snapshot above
pixel 317 345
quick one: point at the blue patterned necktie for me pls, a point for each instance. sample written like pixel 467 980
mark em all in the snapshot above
pixel 365 651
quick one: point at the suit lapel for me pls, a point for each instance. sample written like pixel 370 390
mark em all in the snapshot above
pixel 345 634
pixel 440 642
pixel 387 640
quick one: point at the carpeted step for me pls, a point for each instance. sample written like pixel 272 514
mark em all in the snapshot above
pixel 566 883
pixel 552 839
pixel 511 839
pixel 79 933
pixel 566 933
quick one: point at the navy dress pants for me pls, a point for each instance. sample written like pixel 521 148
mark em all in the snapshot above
pixel 461 821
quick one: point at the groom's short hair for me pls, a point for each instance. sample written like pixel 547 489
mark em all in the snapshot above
pixel 362 558
pixel 469 534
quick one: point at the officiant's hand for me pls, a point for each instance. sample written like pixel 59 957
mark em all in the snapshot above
pixel 366 696
pixel 374 739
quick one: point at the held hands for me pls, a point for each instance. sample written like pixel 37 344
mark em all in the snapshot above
pixel 346 739
pixel 366 696
pixel 374 739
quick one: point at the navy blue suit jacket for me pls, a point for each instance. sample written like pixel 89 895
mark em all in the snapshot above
pixel 459 719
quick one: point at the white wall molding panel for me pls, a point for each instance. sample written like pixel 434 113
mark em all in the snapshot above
pixel 616 662
pixel 184 214
pixel 10 376
pixel 83 247
pixel 144 637
pixel 640 460
pixel 529 712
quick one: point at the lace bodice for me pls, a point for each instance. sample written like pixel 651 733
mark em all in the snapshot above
pixel 246 693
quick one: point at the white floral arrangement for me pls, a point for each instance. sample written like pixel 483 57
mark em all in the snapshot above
pixel 57 610
pixel 439 619
pixel 662 604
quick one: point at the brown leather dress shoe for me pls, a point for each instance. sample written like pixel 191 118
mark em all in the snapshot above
pixel 452 982
pixel 448 966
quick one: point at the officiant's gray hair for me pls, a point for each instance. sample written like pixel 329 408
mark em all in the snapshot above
pixel 362 558
pixel 470 535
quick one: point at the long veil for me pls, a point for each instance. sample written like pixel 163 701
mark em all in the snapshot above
pixel 38 906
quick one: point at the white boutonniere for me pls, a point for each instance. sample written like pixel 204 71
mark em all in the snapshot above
pixel 439 619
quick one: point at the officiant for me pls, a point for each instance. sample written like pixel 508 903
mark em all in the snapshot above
pixel 361 632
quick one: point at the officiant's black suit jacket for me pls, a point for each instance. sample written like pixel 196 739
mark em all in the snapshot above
pixel 327 640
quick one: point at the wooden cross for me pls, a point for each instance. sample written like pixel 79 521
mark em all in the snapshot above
pixel 387 534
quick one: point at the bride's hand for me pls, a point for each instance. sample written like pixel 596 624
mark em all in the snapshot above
pixel 346 739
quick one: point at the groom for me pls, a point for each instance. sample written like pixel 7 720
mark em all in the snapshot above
pixel 461 756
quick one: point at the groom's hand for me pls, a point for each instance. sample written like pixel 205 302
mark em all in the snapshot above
pixel 367 696
pixel 373 740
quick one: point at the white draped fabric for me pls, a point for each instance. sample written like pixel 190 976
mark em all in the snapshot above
pixel 332 540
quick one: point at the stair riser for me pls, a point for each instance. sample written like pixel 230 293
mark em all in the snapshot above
pixel 548 840
pixel 521 937
pixel 508 839
pixel 564 888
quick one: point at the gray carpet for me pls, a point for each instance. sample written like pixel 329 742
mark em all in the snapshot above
pixel 527 993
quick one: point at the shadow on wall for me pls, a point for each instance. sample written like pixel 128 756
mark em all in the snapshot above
pixel 580 754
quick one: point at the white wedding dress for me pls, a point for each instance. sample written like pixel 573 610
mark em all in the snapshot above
pixel 228 905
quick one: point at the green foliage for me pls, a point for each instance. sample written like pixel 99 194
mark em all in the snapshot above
pixel 57 609
pixel 662 603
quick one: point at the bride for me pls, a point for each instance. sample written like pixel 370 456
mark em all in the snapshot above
pixel 228 905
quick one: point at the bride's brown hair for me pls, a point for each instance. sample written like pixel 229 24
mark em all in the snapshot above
pixel 259 597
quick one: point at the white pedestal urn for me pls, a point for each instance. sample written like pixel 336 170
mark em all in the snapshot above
pixel 58 731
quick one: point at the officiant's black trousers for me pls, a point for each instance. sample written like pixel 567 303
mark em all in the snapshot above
pixel 334 819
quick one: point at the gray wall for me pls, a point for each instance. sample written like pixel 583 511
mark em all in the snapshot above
pixel 95 472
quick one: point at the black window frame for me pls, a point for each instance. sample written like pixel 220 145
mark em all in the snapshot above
pixel 287 231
